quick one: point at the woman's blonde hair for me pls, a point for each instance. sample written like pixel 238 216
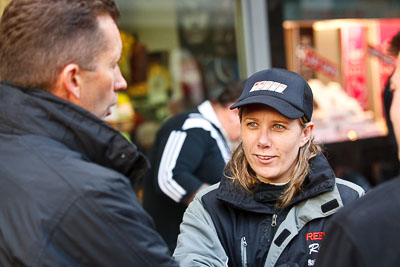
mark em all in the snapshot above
pixel 242 173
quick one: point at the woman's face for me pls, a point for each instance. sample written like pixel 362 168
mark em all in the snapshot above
pixel 271 142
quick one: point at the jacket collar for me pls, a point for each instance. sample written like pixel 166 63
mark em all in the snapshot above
pixel 208 112
pixel 320 179
pixel 34 111
pixel 206 109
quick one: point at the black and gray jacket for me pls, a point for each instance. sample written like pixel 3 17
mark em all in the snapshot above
pixel 225 226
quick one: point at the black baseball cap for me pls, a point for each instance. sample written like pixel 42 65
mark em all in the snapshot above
pixel 285 91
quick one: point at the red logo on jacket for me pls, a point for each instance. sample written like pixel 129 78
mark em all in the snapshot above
pixel 315 236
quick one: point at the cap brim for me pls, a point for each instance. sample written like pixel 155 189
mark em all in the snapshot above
pixel 278 104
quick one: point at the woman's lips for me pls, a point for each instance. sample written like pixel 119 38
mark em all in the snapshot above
pixel 265 159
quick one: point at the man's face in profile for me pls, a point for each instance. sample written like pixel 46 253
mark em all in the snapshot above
pixel 100 86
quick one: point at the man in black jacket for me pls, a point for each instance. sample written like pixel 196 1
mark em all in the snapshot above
pixel 367 232
pixel 66 196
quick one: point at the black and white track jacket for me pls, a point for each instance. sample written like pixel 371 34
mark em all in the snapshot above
pixel 190 149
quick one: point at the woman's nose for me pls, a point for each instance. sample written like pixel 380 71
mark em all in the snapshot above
pixel 264 139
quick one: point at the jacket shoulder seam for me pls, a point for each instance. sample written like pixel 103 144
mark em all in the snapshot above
pixel 360 191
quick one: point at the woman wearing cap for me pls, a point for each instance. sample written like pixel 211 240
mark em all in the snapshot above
pixel 271 206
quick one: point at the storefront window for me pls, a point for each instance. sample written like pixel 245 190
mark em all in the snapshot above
pixel 344 60
pixel 340 9
pixel 176 54
pixel 340 47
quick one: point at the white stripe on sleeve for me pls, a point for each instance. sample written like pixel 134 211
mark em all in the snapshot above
pixel 168 161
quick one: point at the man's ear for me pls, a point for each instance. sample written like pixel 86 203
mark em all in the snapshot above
pixel 70 81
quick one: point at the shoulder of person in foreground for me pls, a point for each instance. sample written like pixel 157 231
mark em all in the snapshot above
pixel 198 242
pixel 107 226
pixel 365 229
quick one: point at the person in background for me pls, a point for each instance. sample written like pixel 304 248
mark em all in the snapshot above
pixel 367 232
pixel 66 176
pixel 189 153
pixel 391 167
pixel 278 190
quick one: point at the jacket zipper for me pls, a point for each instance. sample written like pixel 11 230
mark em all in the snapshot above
pixel 273 223
pixel 243 249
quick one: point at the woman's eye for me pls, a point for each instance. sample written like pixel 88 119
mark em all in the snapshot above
pixel 278 126
pixel 252 124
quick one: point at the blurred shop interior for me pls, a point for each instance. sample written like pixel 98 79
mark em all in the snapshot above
pixel 179 52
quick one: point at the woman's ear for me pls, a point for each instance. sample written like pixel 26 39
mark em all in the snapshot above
pixel 307 133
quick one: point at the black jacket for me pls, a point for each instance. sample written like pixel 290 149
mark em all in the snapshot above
pixel 226 226
pixel 66 195
pixel 366 233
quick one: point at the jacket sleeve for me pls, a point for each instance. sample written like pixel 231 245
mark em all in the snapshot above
pixel 180 158
pixel 198 243
pixel 107 227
